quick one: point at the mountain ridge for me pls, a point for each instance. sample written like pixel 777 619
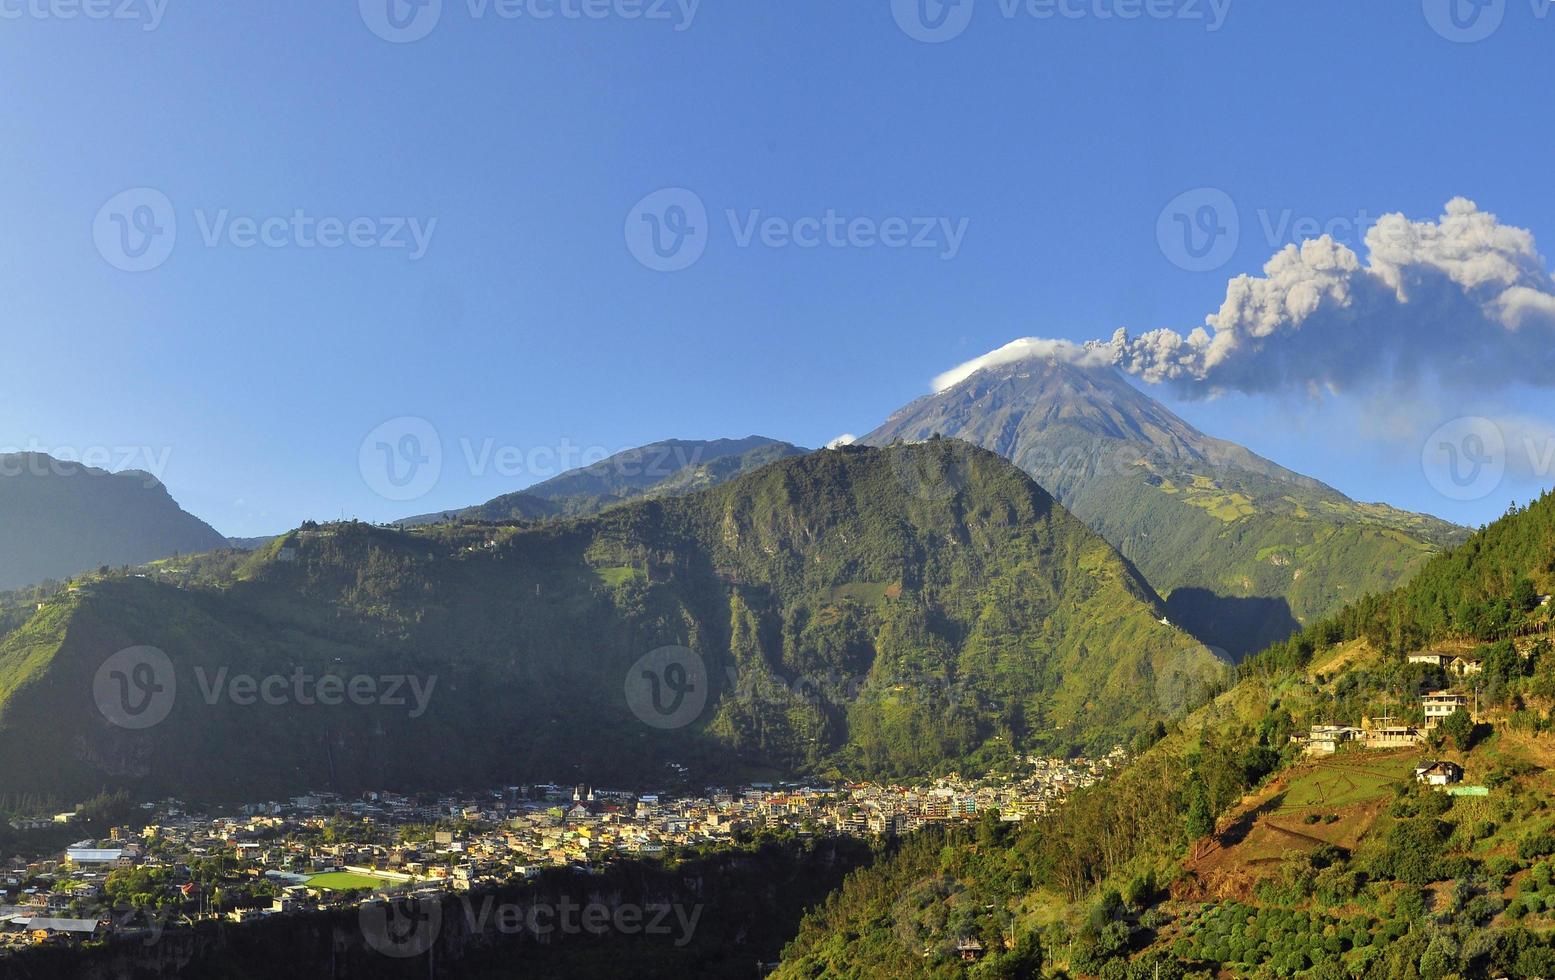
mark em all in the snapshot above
pixel 60 518
pixel 666 467
pixel 872 610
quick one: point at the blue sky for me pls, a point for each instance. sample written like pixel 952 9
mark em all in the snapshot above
pixel 1044 148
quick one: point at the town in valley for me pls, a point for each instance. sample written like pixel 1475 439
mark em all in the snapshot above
pixel 169 867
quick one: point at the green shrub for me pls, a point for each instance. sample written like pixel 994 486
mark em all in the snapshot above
pixel 1483 908
pixel 1540 875
pixel 1458 867
pixel 1502 866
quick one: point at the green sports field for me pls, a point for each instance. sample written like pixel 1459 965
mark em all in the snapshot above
pixel 345 881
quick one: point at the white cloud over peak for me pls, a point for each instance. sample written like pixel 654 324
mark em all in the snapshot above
pixel 1027 348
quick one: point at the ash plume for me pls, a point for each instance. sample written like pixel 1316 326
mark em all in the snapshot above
pixel 1465 300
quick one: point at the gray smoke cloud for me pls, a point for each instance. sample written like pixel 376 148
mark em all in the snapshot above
pixel 1465 299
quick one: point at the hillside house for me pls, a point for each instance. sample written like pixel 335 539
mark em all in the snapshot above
pixel 1326 739
pixel 1385 733
pixel 1439 704
pixel 1432 658
pixel 1439 773
pixel 969 948
pixel 1465 666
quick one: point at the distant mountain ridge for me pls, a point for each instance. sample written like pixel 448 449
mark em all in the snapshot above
pixel 60 518
pixel 666 468
pixel 1244 550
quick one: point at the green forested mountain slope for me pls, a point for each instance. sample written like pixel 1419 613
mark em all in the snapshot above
pixel 59 518
pixel 881 611
pixel 1222 851
pixel 1243 550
